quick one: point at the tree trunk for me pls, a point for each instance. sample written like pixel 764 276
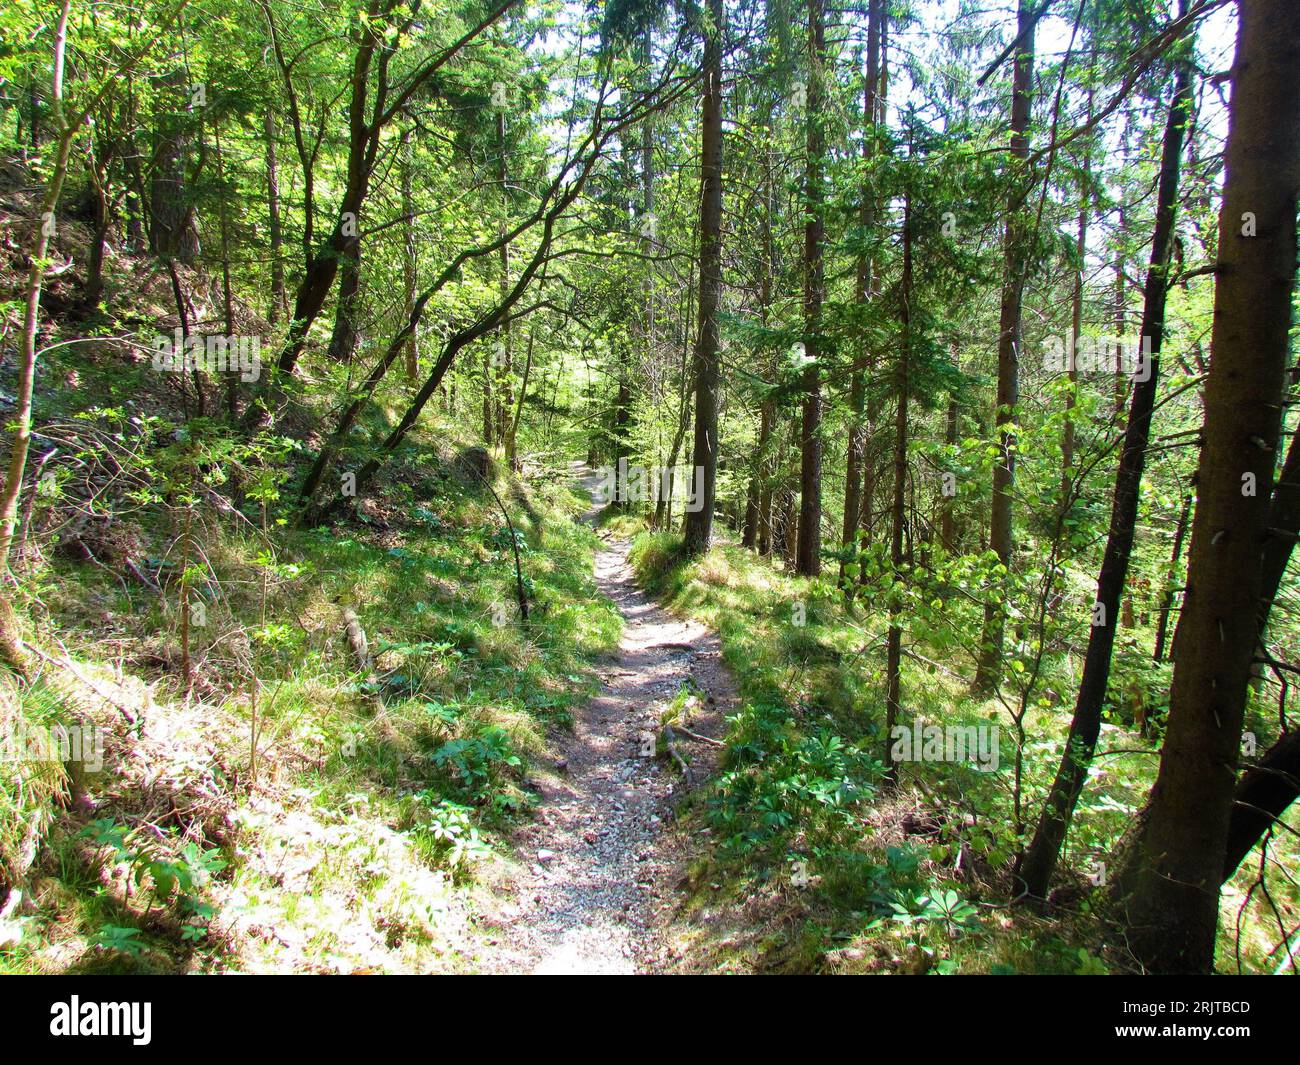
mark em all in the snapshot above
pixel 171 229
pixel 621 427
pixel 227 294
pixel 10 644
pixel 647 218
pixel 1261 797
pixel 1169 886
pixel 699 522
pixel 1121 314
pixel 767 422
pixel 97 171
pixel 1267 789
pixel 489 423
pixel 808 559
pixel 948 520
pixel 1015 256
pixel 786 534
pixel 1283 525
pixel 279 301
pixel 1167 595
pixel 504 360
pixel 1076 317
pixel 410 273
pixel 512 431
pixel 761 483
pixel 663 505
pixel 322 262
pixel 1040 860
pixel 894 639
pixel 866 220
pixel 344 339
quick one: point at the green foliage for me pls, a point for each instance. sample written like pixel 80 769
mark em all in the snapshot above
pixel 446 832
pixel 475 763
pixel 120 939
pixel 171 873
pixel 537 235
pixel 784 783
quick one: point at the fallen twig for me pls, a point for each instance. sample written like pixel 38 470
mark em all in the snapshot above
pixel 702 739
pixel 677 756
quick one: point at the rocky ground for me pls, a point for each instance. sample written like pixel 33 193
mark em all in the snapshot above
pixel 603 853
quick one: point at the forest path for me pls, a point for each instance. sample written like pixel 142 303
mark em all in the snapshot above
pixel 603 863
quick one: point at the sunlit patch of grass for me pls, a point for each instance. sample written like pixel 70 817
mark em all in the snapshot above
pixel 810 666
pixel 621 524
pixel 31 783
pixel 452 715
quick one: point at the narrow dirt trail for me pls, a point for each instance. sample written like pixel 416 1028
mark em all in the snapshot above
pixel 602 859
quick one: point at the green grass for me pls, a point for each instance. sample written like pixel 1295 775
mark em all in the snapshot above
pixel 801 782
pixel 410 775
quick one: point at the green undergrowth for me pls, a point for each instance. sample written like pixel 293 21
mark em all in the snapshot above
pixel 837 870
pixel 321 812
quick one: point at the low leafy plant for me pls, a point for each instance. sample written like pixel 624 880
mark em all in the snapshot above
pixel 120 939
pixel 172 875
pixel 475 763
pixel 446 832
